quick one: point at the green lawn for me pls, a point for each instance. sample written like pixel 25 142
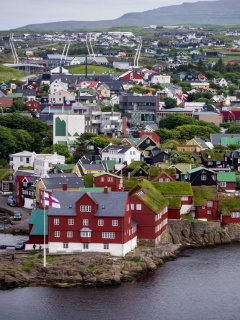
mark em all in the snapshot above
pixel 80 69
pixel 7 74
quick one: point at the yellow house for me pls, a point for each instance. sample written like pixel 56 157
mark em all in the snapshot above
pixel 59 182
pixel 104 90
pixel 81 169
pixel 193 145
pixel 200 85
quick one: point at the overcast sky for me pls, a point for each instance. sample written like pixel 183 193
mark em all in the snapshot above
pixel 18 13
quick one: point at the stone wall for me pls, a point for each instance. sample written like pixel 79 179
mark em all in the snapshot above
pixel 233 230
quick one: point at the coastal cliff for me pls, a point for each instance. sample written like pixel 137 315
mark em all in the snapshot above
pixel 97 269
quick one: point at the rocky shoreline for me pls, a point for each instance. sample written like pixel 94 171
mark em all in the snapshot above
pixel 98 269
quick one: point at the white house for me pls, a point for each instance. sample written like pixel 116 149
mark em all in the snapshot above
pixel 121 153
pixel 58 85
pixel 162 78
pixel 44 162
pixel 22 159
pixel 221 82
pixel 59 70
pixel 61 96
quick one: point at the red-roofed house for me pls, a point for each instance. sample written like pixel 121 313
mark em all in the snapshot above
pixel 87 84
pixel 131 76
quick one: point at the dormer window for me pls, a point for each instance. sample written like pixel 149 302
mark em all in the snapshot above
pixel 209 156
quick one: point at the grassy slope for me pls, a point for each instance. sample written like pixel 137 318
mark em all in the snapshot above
pixel 80 69
pixel 7 74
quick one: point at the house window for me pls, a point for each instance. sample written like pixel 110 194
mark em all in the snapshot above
pixel 108 235
pixel 167 180
pixel 223 184
pixel 86 234
pixel 102 179
pixel 85 245
pixel 203 207
pixel 106 246
pixel 238 160
pixel 184 198
pixel 100 222
pixel 148 141
pixel 56 221
pixel 5 187
pixel 27 160
pixel 138 206
pixel 21 159
pixel 209 203
pixel 203 177
pixel 85 222
pixel 69 234
pixel 65 245
pixel 209 212
pixel 85 208
pixel 70 222
pixel 182 149
pixel 115 223
pixel 132 206
pixel 209 163
pixel 57 234
pixel 160 179
pixel 110 179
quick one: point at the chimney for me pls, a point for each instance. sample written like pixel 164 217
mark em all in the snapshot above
pixel 232 135
pixel 64 186
pixel 124 119
pixel 141 180
pixel 105 189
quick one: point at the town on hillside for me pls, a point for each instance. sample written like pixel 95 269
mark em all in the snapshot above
pixel 108 136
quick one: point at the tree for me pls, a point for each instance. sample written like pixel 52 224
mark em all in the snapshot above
pixel 171 121
pixel 101 142
pixel 165 134
pixel 7 142
pixel 23 139
pixel 170 102
pixel 60 149
pixel 188 132
pixel 80 147
pixel 89 135
pixel 233 128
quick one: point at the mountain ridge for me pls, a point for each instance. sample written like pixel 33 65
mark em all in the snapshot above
pixel 219 12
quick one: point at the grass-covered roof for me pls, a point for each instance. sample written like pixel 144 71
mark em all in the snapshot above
pixel 173 188
pixel 4 174
pixel 228 204
pixel 134 164
pixel 215 156
pixel 174 202
pixel 203 193
pixel 152 197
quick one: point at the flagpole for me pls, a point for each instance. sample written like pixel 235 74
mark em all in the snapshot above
pixel 44 248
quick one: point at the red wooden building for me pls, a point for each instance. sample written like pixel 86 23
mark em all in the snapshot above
pixel 91 221
pixel 104 179
pixel 33 105
pixel 150 210
pixel 131 76
pixel 206 203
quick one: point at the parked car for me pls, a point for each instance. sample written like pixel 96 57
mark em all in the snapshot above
pixel 17 215
pixel 20 245
pixel 10 198
pixel 12 203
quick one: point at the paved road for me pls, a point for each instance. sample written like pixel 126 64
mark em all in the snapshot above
pixel 22 224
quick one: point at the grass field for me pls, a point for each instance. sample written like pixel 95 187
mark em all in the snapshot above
pixel 7 74
pixel 80 69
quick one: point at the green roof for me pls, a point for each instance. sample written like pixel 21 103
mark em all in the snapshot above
pixel 174 188
pixel 198 169
pixel 93 189
pixel 151 196
pixel 110 163
pixel 137 169
pixel 228 204
pixel 201 142
pixel 226 140
pixel 99 174
pixel 184 168
pixel 130 184
pixel 134 164
pixel 226 177
pixel 204 193
pixel 37 219
pixel 214 155
pixel 154 171
pixel 15 95
pixel 174 202
pixel 4 174
pixel 64 166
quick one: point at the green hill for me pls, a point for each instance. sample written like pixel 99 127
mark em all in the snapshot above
pixel 80 69
pixel 7 74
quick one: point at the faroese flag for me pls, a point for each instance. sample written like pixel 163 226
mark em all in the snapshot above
pixel 51 202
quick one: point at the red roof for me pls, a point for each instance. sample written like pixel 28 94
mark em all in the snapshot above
pixel 91 84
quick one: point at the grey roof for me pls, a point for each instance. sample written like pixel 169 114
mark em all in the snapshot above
pixel 122 149
pixel 85 229
pixel 56 183
pixel 62 175
pixel 216 137
pixel 93 166
pixel 111 204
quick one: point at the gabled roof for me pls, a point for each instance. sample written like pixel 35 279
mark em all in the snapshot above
pixel 228 204
pixel 105 173
pixel 111 204
pixel 56 183
pixel 174 188
pixel 200 142
pixel 214 156
pixel 199 169
pixel 203 193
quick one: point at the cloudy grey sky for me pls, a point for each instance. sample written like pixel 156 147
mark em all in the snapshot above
pixel 17 13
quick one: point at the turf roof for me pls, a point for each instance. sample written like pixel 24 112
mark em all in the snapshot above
pixel 173 188
pixel 134 164
pixel 174 202
pixel 203 193
pixel 214 155
pixel 228 204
